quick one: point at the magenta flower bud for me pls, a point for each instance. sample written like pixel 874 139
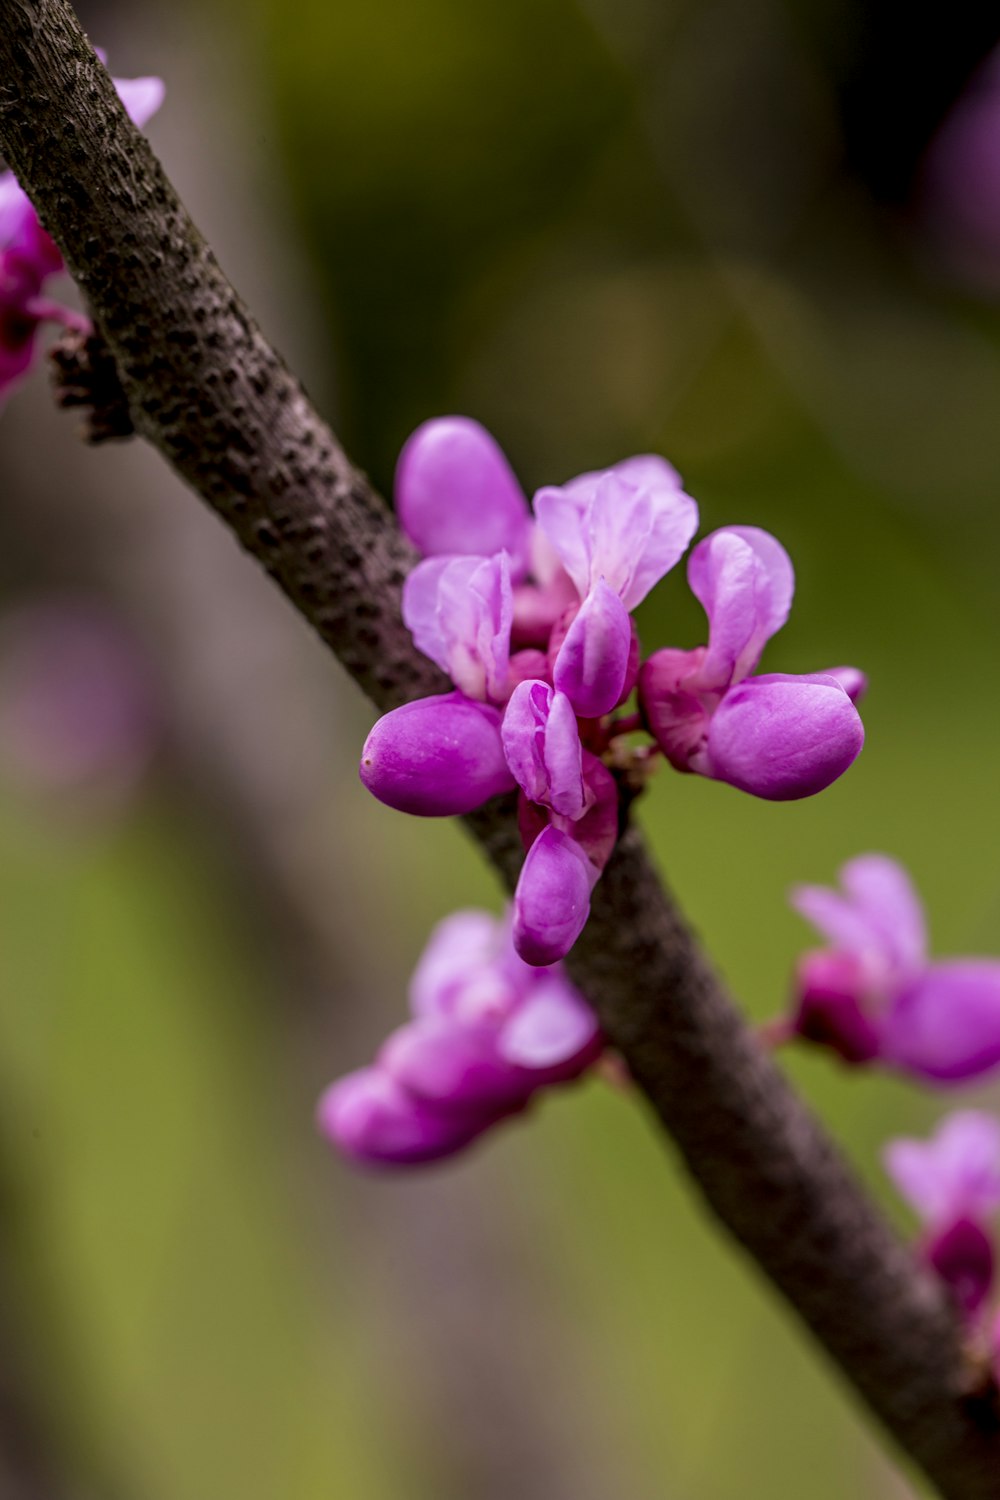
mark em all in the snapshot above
pixel 553 1035
pixel 373 1119
pixel 543 750
pixel 454 1068
pixel 831 1010
pixel 962 1255
pixel 456 493
pixel 783 737
pixel 436 757
pixel 552 900
pixel 592 665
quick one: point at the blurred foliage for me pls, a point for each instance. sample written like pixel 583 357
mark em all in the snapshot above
pixel 600 228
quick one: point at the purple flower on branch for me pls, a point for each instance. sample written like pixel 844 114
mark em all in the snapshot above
pixel 488 1031
pixel 776 736
pixel 874 995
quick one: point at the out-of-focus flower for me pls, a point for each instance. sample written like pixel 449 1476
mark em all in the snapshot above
pixel 874 995
pixel 776 736
pixel 488 1031
pixel 953 1182
pixel 77 718
pixel 958 187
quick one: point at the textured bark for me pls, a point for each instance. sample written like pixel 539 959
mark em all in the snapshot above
pixel 205 387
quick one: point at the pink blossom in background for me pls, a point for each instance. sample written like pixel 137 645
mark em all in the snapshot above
pixel 78 719
pixel 958 193
pixel 488 1031
pixel 952 1181
pixel 874 995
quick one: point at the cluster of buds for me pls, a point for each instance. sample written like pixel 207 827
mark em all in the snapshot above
pixel 874 996
pixel 29 259
pixel 528 610
pixel 488 1031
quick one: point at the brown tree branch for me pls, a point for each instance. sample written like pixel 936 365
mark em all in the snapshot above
pixel 206 389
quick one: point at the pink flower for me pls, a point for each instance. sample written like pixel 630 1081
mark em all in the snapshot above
pixel 487 1033
pixel 776 736
pixel 875 995
pixel 953 1183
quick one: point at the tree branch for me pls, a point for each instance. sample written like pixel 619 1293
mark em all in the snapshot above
pixel 207 390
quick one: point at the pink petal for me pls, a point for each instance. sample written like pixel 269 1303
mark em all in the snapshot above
pixel 676 717
pixel 593 661
pixel 460 949
pixel 459 611
pixel 455 1067
pixel 141 97
pixel 743 578
pixel 882 890
pixel 954 1174
pixel 551 1031
pixel 552 900
pixel 543 750
pixel 783 737
pixel 456 493
pixel 369 1117
pixel 946 1026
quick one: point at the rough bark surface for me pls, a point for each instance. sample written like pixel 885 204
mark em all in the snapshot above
pixel 205 387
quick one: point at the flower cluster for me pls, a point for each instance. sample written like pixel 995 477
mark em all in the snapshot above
pixel 874 996
pixel 488 1031
pixel 29 259
pixel 952 1181
pixel 529 614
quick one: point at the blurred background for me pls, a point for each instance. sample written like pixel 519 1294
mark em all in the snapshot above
pixel 760 238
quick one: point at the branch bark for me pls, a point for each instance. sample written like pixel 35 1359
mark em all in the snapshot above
pixel 208 391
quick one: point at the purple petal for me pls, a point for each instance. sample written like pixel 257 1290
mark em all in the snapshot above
pixel 552 1031
pixel 456 493
pixel 543 750
pixel 552 900
pixel 459 611
pixel 881 889
pixel 946 1026
pixel 592 665
pixel 436 757
pixel 783 737
pixel 628 525
pixel 852 680
pixel 459 957
pixel 676 718
pixel 369 1117
pixel 454 1067
pixel 955 1174
pixel 141 97
pixel 743 578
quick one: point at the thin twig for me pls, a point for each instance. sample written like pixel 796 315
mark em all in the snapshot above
pixel 205 388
